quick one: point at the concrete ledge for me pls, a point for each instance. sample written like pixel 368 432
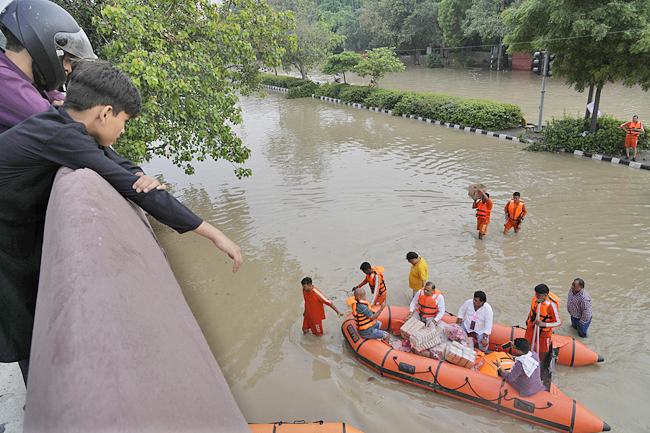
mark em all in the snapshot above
pixel 115 346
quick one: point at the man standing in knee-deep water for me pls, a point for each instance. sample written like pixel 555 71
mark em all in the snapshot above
pixel 578 305
pixel 483 212
pixel 314 313
pixel 419 274
pixel 515 212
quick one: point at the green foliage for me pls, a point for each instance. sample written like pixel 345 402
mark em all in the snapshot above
pixel 283 81
pixel 465 58
pixel 475 113
pixel 434 60
pixel 382 98
pixel 341 63
pixel 188 60
pixel 595 42
pixel 451 18
pixel 571 133
pixel 302 91
pixel 313 38
pixel 378 63
pixel 354 94
pixel 332 90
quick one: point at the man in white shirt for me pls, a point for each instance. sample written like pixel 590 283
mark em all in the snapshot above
pixel 475 317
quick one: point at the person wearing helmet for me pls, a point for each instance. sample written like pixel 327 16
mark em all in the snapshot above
pixel 41 41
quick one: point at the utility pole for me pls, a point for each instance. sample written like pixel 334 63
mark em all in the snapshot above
pixel 541 102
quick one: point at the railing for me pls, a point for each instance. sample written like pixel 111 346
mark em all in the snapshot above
pixel 115 345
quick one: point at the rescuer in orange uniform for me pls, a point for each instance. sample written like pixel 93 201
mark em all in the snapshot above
pixel 515 212
pixel 428 305
pixel 365 318
pixel 314 313
pixel 549 317
pixel 375 278
pixel 632 131
pixel 483 211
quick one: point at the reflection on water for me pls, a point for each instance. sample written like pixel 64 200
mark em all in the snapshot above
pixel 334 186
pixel 520 88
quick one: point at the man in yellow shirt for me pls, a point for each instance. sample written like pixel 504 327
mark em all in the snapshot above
pixel 419 274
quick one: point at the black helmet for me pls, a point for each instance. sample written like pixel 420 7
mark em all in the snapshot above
pixel 47 31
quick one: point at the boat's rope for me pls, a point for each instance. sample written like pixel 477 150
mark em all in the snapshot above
pixel 505 393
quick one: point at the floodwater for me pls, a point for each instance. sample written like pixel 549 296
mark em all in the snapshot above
pixel 334 186
pixel 520 88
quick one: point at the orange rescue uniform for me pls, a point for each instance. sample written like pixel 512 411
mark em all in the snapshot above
pixel 631 136
pixel 427 306
pixel 314 310
pixel 483 213
pixel 514 214
pixel 376 280
pixel 549 313
pixel 362 321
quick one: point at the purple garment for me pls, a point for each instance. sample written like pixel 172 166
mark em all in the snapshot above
pixel 20 99
pixel 527 386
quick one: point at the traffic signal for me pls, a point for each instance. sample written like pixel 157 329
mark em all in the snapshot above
pixel 538 63
pixel 549 72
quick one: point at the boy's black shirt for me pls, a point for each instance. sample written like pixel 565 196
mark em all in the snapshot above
pixel 30 155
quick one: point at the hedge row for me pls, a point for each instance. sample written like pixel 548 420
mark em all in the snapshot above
pixel 573 134
pixel 475 113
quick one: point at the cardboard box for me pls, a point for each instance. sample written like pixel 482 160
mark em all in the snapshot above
pixel 425 339
pixel 460 355
pixel 412 325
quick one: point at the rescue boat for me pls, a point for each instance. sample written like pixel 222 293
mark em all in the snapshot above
pixel 303 427
pixel 550 409
pixel 571 353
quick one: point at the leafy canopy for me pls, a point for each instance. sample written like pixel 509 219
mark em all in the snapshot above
pixel 188 59
pixel 341 63
pixel 378 63
pixel 313 38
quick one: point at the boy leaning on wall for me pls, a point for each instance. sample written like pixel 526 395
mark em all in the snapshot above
pixel 99 101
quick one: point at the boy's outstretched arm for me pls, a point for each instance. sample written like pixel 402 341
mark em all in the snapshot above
pixel 222 242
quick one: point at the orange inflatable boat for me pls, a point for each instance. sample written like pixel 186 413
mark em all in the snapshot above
pixel 572 352
pixel 303 427
pixel 550 409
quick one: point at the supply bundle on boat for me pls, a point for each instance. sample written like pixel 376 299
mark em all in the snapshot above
pixel 547 408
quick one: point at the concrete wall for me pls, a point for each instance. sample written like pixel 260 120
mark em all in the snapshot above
pixel 115 346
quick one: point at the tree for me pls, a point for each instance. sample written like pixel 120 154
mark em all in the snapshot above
pixel 451 17
pixel 378 63
pixel 341 63
pixel 313 39
pixel 595 42
pixel 484 18
pixel 188 59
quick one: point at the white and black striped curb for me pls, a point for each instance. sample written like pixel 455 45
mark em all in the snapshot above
pixel 613 160
pixel 423 119
pixel 276 88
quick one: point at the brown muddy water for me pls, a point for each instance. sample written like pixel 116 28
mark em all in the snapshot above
pixel 334 186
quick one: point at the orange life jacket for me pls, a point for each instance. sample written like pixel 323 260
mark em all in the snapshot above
pixel 631 125
pixel 427 306
pixel 515 212
pixel 377 273
pixel 363 322
pixel 483 210
pixel 546 314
